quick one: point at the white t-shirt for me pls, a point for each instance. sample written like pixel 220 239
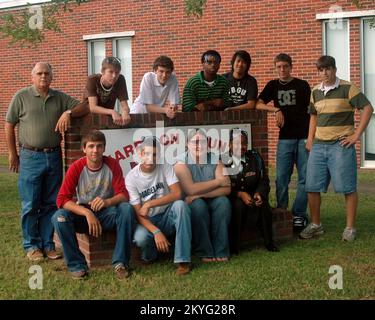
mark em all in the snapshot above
pixel 152 92
pixel 143 186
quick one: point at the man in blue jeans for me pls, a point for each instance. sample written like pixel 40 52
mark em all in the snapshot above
pixel 98 183
pixel 291 97
pixel 42 115
pixel 155 194
pixel 331 141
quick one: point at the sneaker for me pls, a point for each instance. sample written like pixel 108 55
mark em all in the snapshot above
pixel 35 255
pixel 52 254
pixel 349 234
pixel 299 222
pixel 122 272
pixel 311 231
pixel 183 268
pixel 79 275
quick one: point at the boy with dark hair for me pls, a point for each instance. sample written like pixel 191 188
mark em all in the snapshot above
pixel 102 90
pixel 98 184
pixel 155 194
pixel 243 87
pixel 290 98
pixel 331 141
pixel 207 90
pixel 159 91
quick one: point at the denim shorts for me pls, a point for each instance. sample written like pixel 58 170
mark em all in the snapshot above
pixel 331 162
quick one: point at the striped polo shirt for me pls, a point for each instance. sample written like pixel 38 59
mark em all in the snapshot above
pixel 335 110
pixel 197 90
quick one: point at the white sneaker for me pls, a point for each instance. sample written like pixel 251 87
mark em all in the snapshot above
pixel 349 234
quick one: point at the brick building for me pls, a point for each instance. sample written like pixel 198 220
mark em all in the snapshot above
pixel 138 31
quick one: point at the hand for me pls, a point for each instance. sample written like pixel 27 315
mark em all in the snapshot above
pixel 190 199
pixel 162 243
pixel 170 111
pixel 200 106
pixel 125 118
pixel 279 119
pixel 218 103
pixel 14 163
pixel 246 198
pixel 348 141
pixel 98 204
pixel 258 199
pixel 95 229
pixel 145 209
pixel 116 117
pixel 309 144
pixel 63 123
pixel 224 181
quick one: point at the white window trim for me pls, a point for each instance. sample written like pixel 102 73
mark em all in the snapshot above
pixel 344 14
pixel 366 164
pixel 20 3
pixel 89 49
pixel 324 46
pixel 100 36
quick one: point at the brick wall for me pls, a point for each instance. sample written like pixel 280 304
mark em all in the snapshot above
pixel 264 28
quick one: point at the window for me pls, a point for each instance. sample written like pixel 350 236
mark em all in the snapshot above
pixel 368 84
pixel 336 44
pixel 122 49
pixel 96 52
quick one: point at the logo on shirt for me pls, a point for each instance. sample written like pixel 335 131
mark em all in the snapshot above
pixel 287 98
pixel 151 190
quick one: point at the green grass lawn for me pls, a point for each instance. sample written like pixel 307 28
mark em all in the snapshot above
pixel 298 271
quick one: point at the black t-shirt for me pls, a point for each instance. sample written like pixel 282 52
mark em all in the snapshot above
pixel 293 99
pixel 242 90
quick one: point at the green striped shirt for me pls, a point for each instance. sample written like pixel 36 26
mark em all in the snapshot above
pixel 335 111
pixel 196 91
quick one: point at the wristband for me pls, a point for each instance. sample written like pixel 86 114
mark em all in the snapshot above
pixel 156 232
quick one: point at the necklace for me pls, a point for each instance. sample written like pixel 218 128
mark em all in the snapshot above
pixel 106 90
pixel 285 82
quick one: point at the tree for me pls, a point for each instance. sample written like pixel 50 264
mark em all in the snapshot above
pixel 28 27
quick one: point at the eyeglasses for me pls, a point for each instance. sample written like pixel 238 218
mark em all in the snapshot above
pixel 198 141
pixel 214 62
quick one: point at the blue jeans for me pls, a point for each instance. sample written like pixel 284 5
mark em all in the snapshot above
pixel 290 152
pixel 174 221
pixel 332 162
pixel 39 181
pixel 210 220
pixel 119 218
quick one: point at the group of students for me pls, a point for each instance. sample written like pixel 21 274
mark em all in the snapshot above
pixel 187 206
pixel 197 202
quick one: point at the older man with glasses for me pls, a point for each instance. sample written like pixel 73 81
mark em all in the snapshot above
pixel 42 115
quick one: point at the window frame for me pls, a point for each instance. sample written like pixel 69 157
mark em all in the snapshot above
pixel 324 40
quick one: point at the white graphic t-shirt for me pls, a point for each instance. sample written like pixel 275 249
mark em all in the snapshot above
pixel 143 186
